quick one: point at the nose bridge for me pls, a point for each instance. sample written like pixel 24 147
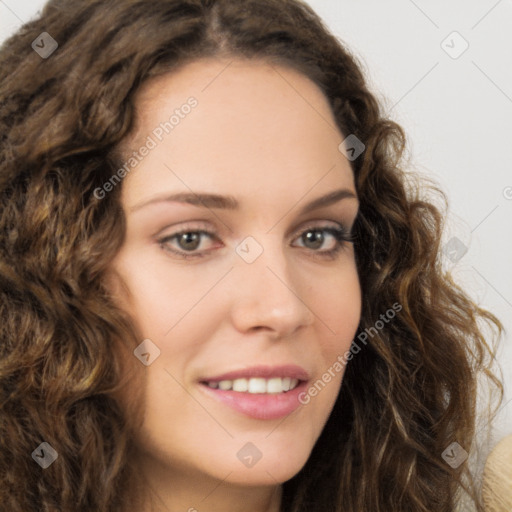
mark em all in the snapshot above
pixel 268 294
pixel 266 259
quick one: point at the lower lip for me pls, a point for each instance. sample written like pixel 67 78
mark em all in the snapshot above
pixel 259 406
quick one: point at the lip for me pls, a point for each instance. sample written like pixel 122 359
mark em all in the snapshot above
pixel 259 406
pixel 265 372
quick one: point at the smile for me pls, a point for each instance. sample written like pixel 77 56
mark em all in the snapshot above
pixel 262 392
pixel 256 385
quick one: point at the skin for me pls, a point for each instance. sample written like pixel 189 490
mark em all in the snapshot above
pixel 265 135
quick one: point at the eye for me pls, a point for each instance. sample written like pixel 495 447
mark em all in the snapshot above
pixel 187 243
pixel 325 240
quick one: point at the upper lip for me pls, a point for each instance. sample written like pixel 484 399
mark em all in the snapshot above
pixel 265 372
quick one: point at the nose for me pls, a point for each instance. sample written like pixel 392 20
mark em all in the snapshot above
pixel 268 296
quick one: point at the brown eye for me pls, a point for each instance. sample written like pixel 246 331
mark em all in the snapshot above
pixel 313 239
pixel 188 244
pixel 189 241
pixel 325 241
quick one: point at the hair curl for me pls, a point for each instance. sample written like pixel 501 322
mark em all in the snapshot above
pixel 404 398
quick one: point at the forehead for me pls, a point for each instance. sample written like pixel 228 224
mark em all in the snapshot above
pixel 254 126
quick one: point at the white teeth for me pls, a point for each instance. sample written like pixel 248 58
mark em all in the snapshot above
pixel 256 385
pixel 240 385
pixel 275 385
pixel 225 384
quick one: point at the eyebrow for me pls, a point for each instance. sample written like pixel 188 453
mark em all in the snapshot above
pixel 230 203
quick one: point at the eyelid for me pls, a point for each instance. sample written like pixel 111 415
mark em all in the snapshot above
pixel 199 225
pixel 319 224
pixel 180 227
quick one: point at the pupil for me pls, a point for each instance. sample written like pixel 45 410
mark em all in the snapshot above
pixel 315 239
pixel 189 241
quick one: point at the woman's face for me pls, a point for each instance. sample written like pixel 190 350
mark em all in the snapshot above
pixel 234 270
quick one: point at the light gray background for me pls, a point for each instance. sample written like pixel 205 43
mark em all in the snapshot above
pixel 457 113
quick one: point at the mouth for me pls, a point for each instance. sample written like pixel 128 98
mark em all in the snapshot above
pixel 262 393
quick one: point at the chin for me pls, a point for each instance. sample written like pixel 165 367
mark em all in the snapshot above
pixel 271 468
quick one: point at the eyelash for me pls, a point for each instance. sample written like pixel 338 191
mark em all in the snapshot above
pixel 340 234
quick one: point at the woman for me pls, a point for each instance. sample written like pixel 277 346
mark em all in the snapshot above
pixel 219 290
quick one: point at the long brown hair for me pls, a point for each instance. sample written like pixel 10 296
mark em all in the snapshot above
pixel 406 396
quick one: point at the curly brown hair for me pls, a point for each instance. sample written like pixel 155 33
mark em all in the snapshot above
pixel 407 395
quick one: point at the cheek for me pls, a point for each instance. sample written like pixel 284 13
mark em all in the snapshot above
pixel 178 311
pixel 160 297
pixel 339 311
